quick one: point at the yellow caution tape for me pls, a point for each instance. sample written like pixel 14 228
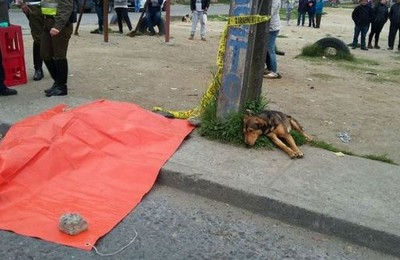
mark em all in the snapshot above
pixel 247 19
pixel 212 90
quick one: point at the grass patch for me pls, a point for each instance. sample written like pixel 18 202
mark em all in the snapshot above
pixel 230 130
pixel 381 158
pixel 314 50
pixel 218 17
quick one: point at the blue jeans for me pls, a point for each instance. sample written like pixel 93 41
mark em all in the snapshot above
pixel 271 55
pixel 357 30
pixel 99 12
pixel 137 6
pixel 153 18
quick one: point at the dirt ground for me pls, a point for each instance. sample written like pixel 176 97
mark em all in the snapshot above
pixel 326 97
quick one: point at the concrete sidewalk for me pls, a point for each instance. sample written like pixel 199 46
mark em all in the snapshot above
pixel 351 197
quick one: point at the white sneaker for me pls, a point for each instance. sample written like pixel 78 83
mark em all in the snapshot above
pixel 272 75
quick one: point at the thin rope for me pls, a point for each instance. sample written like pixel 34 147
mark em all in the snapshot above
pixel 120 250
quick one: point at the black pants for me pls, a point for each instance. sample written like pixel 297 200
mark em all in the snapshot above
pixel 122 14
pixel 2 76
pixel 392 34
pixel 376 29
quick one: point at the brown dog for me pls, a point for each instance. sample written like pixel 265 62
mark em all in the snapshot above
pixel 275 125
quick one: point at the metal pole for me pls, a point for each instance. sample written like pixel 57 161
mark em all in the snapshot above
pixel 167 19
pixel 105 20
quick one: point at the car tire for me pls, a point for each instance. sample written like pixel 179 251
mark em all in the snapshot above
pixel 332 46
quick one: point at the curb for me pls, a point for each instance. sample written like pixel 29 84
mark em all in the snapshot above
pixel 292 214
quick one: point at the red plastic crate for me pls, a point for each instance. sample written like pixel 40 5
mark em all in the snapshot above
pixel 11 41
pixel 14 71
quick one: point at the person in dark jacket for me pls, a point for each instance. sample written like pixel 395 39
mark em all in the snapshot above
pixel 394 17
pixel 301 12
pixel 153 14
pixel 311 13
pixel 362 16
pixel 381 16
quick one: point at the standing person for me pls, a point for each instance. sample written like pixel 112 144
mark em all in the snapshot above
pixel 274 27
pixel 57 30
pixel 98 6
pixel 4 91
pixel 311 13
pixel 319 9
pixel 137 6
pixel 31 9
pixel 121 8
pixel 199 13
pixel 362 16
pixel 381 16
pixel 289 8
pixel 394 17
pixel 153 14
pixel 301 12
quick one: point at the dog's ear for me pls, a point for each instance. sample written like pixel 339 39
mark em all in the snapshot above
pixel 261 123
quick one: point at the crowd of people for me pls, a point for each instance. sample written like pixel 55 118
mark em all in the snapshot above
pixel 368 15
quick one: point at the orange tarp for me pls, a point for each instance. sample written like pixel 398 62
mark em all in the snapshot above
pixel 97 160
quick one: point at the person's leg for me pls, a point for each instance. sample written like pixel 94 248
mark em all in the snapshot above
pixel 195 19
pixel 364 31
pixel 355 38
pixel 379 28
pixel 4 91
pixel 288 15
pixel 125 15
pixel 36 21
pixel 202 26
pixel 303 19
pixel 149 22
pixel 271 55
pixel 137 6
pixel 392 35
pixel 371 35
pixel 298 18
pixel 318 20
pixel 398 29
pixel 100 14
pixel 60 47
pixel 118 11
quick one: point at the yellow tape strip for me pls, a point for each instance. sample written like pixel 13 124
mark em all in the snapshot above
pixel 212 89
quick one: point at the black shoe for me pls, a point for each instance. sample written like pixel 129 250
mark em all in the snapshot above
pixel 58 91
pixel 8 92
pixel 364 49
pixel 353 47
pixel 38 74
pixel 390 48
pixel 50 89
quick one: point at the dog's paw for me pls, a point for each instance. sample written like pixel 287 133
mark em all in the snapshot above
pixel 299 154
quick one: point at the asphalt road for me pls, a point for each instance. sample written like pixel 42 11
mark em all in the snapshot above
pixel 17 17
pixel 171 224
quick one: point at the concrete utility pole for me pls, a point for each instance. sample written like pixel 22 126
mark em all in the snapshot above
pixel 244 58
